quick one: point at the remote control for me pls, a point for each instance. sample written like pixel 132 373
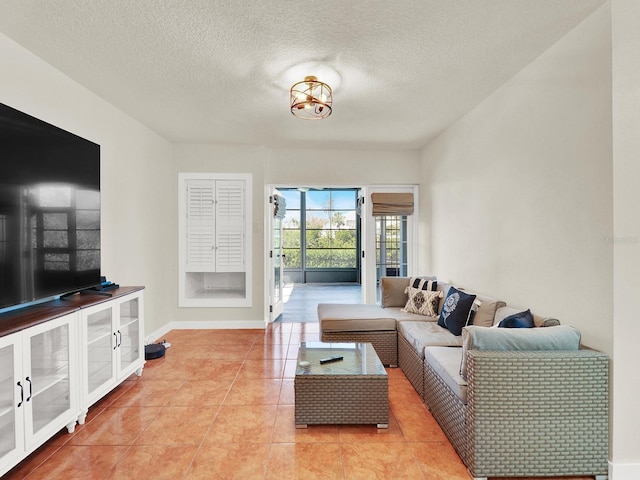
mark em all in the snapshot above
pixel 330 360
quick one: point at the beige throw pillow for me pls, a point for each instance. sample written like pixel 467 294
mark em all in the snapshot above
pixel 422 302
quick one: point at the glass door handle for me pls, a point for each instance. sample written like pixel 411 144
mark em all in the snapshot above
pixel 21 394
pixel 120 342
pixel 115 345
pixel 30 389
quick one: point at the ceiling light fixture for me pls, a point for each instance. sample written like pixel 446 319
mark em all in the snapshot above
pixel 311 99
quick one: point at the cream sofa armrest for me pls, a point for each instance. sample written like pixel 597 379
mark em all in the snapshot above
pixel 392 291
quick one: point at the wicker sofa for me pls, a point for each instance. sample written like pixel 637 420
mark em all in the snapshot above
pixel 523 408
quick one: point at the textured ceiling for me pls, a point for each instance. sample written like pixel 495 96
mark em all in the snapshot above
pixel 213 71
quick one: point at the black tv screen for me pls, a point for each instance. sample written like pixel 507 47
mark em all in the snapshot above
pixel 49 210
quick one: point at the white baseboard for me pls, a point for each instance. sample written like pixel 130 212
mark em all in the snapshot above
pixel 205 325
pixel 624 471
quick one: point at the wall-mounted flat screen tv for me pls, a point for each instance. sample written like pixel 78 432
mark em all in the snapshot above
pixel 49 210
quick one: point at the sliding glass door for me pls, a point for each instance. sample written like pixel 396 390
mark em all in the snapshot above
pixel 321 236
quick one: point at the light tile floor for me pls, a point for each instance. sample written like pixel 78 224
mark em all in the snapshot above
pixel 300 300
pixel 220 405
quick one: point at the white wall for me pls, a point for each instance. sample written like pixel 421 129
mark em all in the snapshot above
pixel 520 189
pixel 351 168
pixel 135 171
pixel 626 234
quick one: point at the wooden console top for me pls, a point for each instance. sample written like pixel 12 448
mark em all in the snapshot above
pixel 16 320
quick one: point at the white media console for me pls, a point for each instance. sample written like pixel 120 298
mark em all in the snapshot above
pixel 60 357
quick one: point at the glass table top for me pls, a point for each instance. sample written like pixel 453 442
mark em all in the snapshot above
pixel 357 359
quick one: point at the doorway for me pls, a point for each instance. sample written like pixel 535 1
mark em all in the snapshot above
pixel 314 251
pixel 332 245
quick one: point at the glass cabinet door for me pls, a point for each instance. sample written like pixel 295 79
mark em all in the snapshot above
pixel 11 399
pixel 101 343
pixel 47 386
pixel 129 339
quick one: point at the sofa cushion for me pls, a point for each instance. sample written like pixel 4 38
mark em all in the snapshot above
pixel 392 291
pixel 425 334
pixel 487 310
pixel 518 320
pixel 422 302
pixel 561 337
pixel 445 361
pixel 401 316
pixel 444 288
pixel 456 311
pixel 336 317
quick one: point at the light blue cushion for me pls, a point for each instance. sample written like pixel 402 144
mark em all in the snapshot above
pixel 561 337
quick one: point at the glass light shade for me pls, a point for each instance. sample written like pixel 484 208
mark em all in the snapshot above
pixel 311 99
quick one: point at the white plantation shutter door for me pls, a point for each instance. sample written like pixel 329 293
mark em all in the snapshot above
pixel 200 226
pixel 230 235
pixel 215 231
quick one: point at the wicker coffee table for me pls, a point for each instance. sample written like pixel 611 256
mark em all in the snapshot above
pixel 353 390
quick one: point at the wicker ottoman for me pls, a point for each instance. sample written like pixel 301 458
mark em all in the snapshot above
pixel 360 323
pixel 354 390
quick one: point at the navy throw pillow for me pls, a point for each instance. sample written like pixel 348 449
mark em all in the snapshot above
pixel 456 311
pixel 518 320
